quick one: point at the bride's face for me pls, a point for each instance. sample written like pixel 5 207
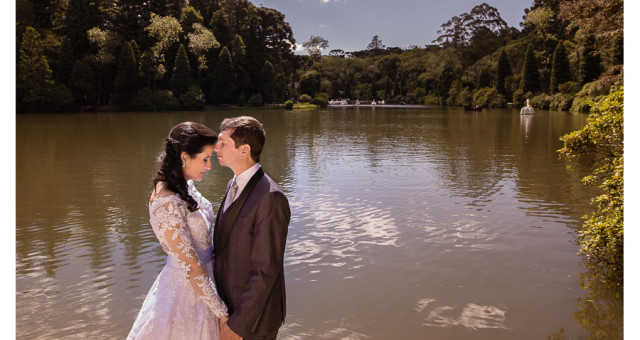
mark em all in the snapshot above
pixel 199 164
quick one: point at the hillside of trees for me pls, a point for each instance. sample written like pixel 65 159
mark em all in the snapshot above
pixel 165 54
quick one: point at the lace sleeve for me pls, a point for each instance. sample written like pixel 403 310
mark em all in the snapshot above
pixel 174 236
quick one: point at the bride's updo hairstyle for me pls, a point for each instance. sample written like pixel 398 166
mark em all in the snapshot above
pixel 191 138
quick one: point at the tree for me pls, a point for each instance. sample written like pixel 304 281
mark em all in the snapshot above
pixel 188 17
pixel 458 30
pixel 221 29
pixel 602 235
pixel 617 51
pixel 504 71
pixel 65 62
pixel 530 76
pixel 267 82
pixel 105 42
pixel 126 82
pixel 181 77
pixel 222 88
pixel 166 31
pixel 447 76
pixel 82 83
pixel 603 19
pixel 375 44
pixel 560 69
pixel 315 45
pixel 239 57
pixel 33 75
pixel 589 67
pixel 484 79
pixel 201 40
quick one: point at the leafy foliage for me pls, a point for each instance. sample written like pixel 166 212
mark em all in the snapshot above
pixel 603 232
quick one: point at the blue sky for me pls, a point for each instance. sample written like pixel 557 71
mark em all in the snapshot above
pixel 351 24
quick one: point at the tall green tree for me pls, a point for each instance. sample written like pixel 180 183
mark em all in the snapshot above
pixel 447 76
pixel 126 82
pixel 239 57
pixel 82 83
pixel 590 67
pixel 267 82
pixel 181 77
pixel 484 78
pixel 219 24
pixel 34 78
pixel 188 17
pixel 222 88
pixel 530 76
pixel 66 59
pixel 560 69
pixel 504 71
pixel 104 41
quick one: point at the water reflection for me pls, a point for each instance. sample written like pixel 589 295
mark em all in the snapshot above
pixel 406 223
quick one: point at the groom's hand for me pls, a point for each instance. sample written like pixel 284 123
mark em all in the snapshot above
pixel 226 333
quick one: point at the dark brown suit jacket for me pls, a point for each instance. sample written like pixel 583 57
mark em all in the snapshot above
pixel 249 257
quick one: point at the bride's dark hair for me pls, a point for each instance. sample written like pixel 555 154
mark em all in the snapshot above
pixel 191 138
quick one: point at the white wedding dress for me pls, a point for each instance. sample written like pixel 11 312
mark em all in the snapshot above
pixel 183 302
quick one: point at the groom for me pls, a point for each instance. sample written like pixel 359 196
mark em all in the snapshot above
pixel 249 236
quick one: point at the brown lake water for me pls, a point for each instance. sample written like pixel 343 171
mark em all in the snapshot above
pixel 407 223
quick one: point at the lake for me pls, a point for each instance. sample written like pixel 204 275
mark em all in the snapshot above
pixel 407 223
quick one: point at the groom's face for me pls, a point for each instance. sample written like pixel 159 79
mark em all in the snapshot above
pixel 228 154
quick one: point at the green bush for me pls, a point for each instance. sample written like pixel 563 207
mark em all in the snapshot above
pixel 465 97
pixel 304 98
pixel 192 99
pixel 320 101
pixel 561 102
pixel 242 99
pixel 602 235
pixel 255 100
pixel 520 97
pixel 288 105
pixel 489 97
pixel 541 101
pixel 155 100
pixel 431 99
pixel 570 87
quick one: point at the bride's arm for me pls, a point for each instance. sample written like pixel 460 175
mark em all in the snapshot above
pixel 174 236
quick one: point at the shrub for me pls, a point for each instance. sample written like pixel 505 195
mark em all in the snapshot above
pixel 155 100
pixel 520 97
pixel 570 87
pixel 320 101
pixel 431 99
pixel 242 99
pixel 541 101
pixel 465 97
pixel 288 104
pixel 305 98
pixel 255 100
pixel 602 235
pixel 489 97
pixel 193 98
pixel 561 102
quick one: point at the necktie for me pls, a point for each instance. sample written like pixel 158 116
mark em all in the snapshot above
pixel 232 194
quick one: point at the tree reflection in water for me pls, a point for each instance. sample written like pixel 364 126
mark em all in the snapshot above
pixel 601 309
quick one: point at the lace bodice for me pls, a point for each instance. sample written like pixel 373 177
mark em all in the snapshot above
pixel 186 236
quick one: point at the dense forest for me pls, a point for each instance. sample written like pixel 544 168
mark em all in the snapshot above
pixel 176 54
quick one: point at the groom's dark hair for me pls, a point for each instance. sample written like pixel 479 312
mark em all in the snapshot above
pixel 246 130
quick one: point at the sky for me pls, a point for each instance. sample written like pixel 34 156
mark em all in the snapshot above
pixel 350 25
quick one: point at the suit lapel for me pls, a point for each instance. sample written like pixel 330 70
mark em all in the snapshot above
pixel 222 236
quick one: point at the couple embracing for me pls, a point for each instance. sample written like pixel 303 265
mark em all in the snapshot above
pixel 227 283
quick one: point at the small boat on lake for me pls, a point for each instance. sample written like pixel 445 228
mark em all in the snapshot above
pixel 473 107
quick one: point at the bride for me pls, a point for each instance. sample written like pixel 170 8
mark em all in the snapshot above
pixel 183 302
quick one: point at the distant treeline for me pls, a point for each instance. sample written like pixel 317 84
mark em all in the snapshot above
pixel 165 54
